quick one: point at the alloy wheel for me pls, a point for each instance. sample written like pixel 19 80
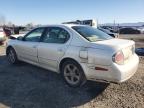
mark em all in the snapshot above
pixel 72 74
pixel 11 56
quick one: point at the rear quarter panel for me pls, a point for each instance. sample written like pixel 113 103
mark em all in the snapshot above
pixel 100 56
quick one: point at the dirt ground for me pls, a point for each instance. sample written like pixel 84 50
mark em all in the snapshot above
pixel 139 39
pixel 27 86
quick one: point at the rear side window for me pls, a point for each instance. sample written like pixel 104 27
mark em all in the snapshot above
pixel 56 35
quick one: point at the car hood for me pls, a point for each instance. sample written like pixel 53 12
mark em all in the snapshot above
pixel 16 36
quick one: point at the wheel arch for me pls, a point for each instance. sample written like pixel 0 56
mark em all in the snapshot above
pixel 67 59
pixel 8 48
pixel 83 77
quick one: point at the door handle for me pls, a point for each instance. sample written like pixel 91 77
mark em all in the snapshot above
pixel 35 46
pixel 60 50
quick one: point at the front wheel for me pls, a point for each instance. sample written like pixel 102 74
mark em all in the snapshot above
pixel 11 55
pixel 73 74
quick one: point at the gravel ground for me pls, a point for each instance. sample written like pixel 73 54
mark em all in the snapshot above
pixel 27 86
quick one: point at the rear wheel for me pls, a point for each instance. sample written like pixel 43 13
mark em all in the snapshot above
pixel 11 55
pixel 73 74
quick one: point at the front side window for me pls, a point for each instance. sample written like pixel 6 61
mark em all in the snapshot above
pixel 91 34
pixel 35 35
pixel 56 35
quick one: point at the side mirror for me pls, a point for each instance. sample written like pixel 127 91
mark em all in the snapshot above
pixel 20 38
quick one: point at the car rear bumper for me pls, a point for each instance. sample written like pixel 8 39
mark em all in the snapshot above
pixel 115 73
pixel 126 71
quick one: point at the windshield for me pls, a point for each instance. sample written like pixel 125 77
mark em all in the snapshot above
pixel 91 34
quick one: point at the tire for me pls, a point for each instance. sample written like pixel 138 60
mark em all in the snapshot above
pixel 12 56
pixel 73 74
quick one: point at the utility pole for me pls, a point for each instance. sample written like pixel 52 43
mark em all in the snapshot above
pixel 114 26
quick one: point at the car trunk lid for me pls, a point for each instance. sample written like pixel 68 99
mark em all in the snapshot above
pixel 126 46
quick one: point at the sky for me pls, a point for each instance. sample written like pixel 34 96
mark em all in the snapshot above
pixel 57 11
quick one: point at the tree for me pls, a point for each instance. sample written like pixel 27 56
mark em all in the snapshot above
pixel 29 25
pixel 2 20
pixel 10 24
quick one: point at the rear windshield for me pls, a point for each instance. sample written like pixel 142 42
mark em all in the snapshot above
pixel 91 34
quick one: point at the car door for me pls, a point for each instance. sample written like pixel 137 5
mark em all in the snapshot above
pixel 53 47
pixel 27 47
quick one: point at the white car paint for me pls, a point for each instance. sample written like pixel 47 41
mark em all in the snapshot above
pixel 17 35
pixel 88 54
pixel 2 35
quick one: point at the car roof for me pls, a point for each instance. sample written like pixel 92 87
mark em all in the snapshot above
pixel 63 25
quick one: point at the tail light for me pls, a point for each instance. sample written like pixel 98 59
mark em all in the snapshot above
pixel 118 58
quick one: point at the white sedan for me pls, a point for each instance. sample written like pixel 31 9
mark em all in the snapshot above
pixel 2 35
pixel 78 52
